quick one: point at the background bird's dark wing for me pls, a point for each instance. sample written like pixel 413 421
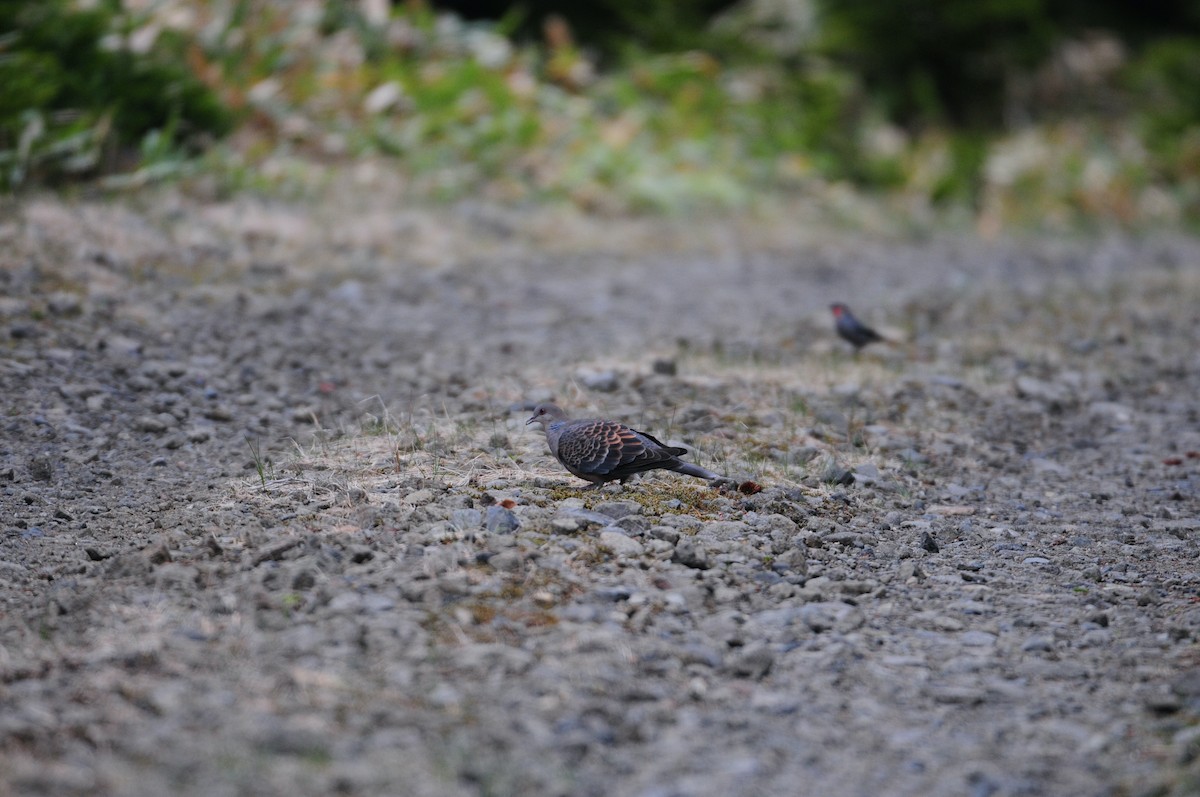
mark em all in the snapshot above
pixel 856 331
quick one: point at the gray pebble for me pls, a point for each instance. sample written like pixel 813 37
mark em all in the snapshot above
pixel 500 520
pixel 467 519
pixel 977 639
pixel 753 661
pixel 1037 644
pixel 830 615
pixel 619 543
pixel 507 560
pixel 690 553
pixel 619 509
pixel 585 517
pixel 604 381
pixel 157 423
pixel 664 533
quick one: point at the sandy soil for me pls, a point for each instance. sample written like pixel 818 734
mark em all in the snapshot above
pixel 272 522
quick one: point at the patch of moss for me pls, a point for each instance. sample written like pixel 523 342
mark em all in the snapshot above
pixel 653 495
pixel 700 502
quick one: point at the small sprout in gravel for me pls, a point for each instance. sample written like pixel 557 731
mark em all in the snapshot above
pixel 260 464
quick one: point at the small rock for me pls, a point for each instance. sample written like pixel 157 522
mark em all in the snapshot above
pixel 419 497
pixel 857 586
pixel 867 474
pixel 604 381
pixel 1187 744
pixel 63 303
pixel 619 509
pixel 218 413
pixel 690 553
pixel 1038 644
pixel 664 533
pixel 620 543
pixel 1054 396
pixel 726 530
pixel 360 553
pixel 158 554
pixel 697 653
pixel 960 695
pixel 613 594
pixel 793 560
pixel 155 424
pixel 508 561
pixel 753 661
pixel 830 615
pixel 305 579
pixel 634 524
pixel 466 519
pixel 942 622
pixel 305 414
pixel 345 603
pixel 1188 684
pixel 846 538
pixel 40 468
pixel 585 517
pixel 500 520
pixel 1110 411
pixel 977 639
pixel 929 543
pixel 374 603
pixel 1043 467
pixel 444 696
pixel 120 345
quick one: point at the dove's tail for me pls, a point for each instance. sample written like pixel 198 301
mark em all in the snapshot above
pixel 688 469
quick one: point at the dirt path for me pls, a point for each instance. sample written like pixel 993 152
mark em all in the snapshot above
pixel 273 524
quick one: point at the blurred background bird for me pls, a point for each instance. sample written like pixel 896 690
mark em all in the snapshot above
pixel 851 329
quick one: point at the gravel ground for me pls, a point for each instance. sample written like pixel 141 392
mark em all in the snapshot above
pixel 272 522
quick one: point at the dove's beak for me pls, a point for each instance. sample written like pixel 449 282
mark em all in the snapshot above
pixel 531 420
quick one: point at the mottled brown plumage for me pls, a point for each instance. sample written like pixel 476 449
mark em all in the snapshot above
pixel 602 451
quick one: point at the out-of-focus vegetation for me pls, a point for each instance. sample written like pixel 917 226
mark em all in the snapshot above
pixel 1022 111
pixel 80 94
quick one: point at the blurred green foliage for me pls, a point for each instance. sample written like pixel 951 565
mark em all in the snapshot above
pixel 614 28
pixel 71 100
pixel 938 61
pixel 1035 110
pixel 946 61
pixel 1166 84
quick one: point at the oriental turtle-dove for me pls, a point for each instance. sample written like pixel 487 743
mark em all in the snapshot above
pixel 602 451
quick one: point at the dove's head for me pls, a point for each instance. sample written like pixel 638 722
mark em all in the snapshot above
pixel 546 414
